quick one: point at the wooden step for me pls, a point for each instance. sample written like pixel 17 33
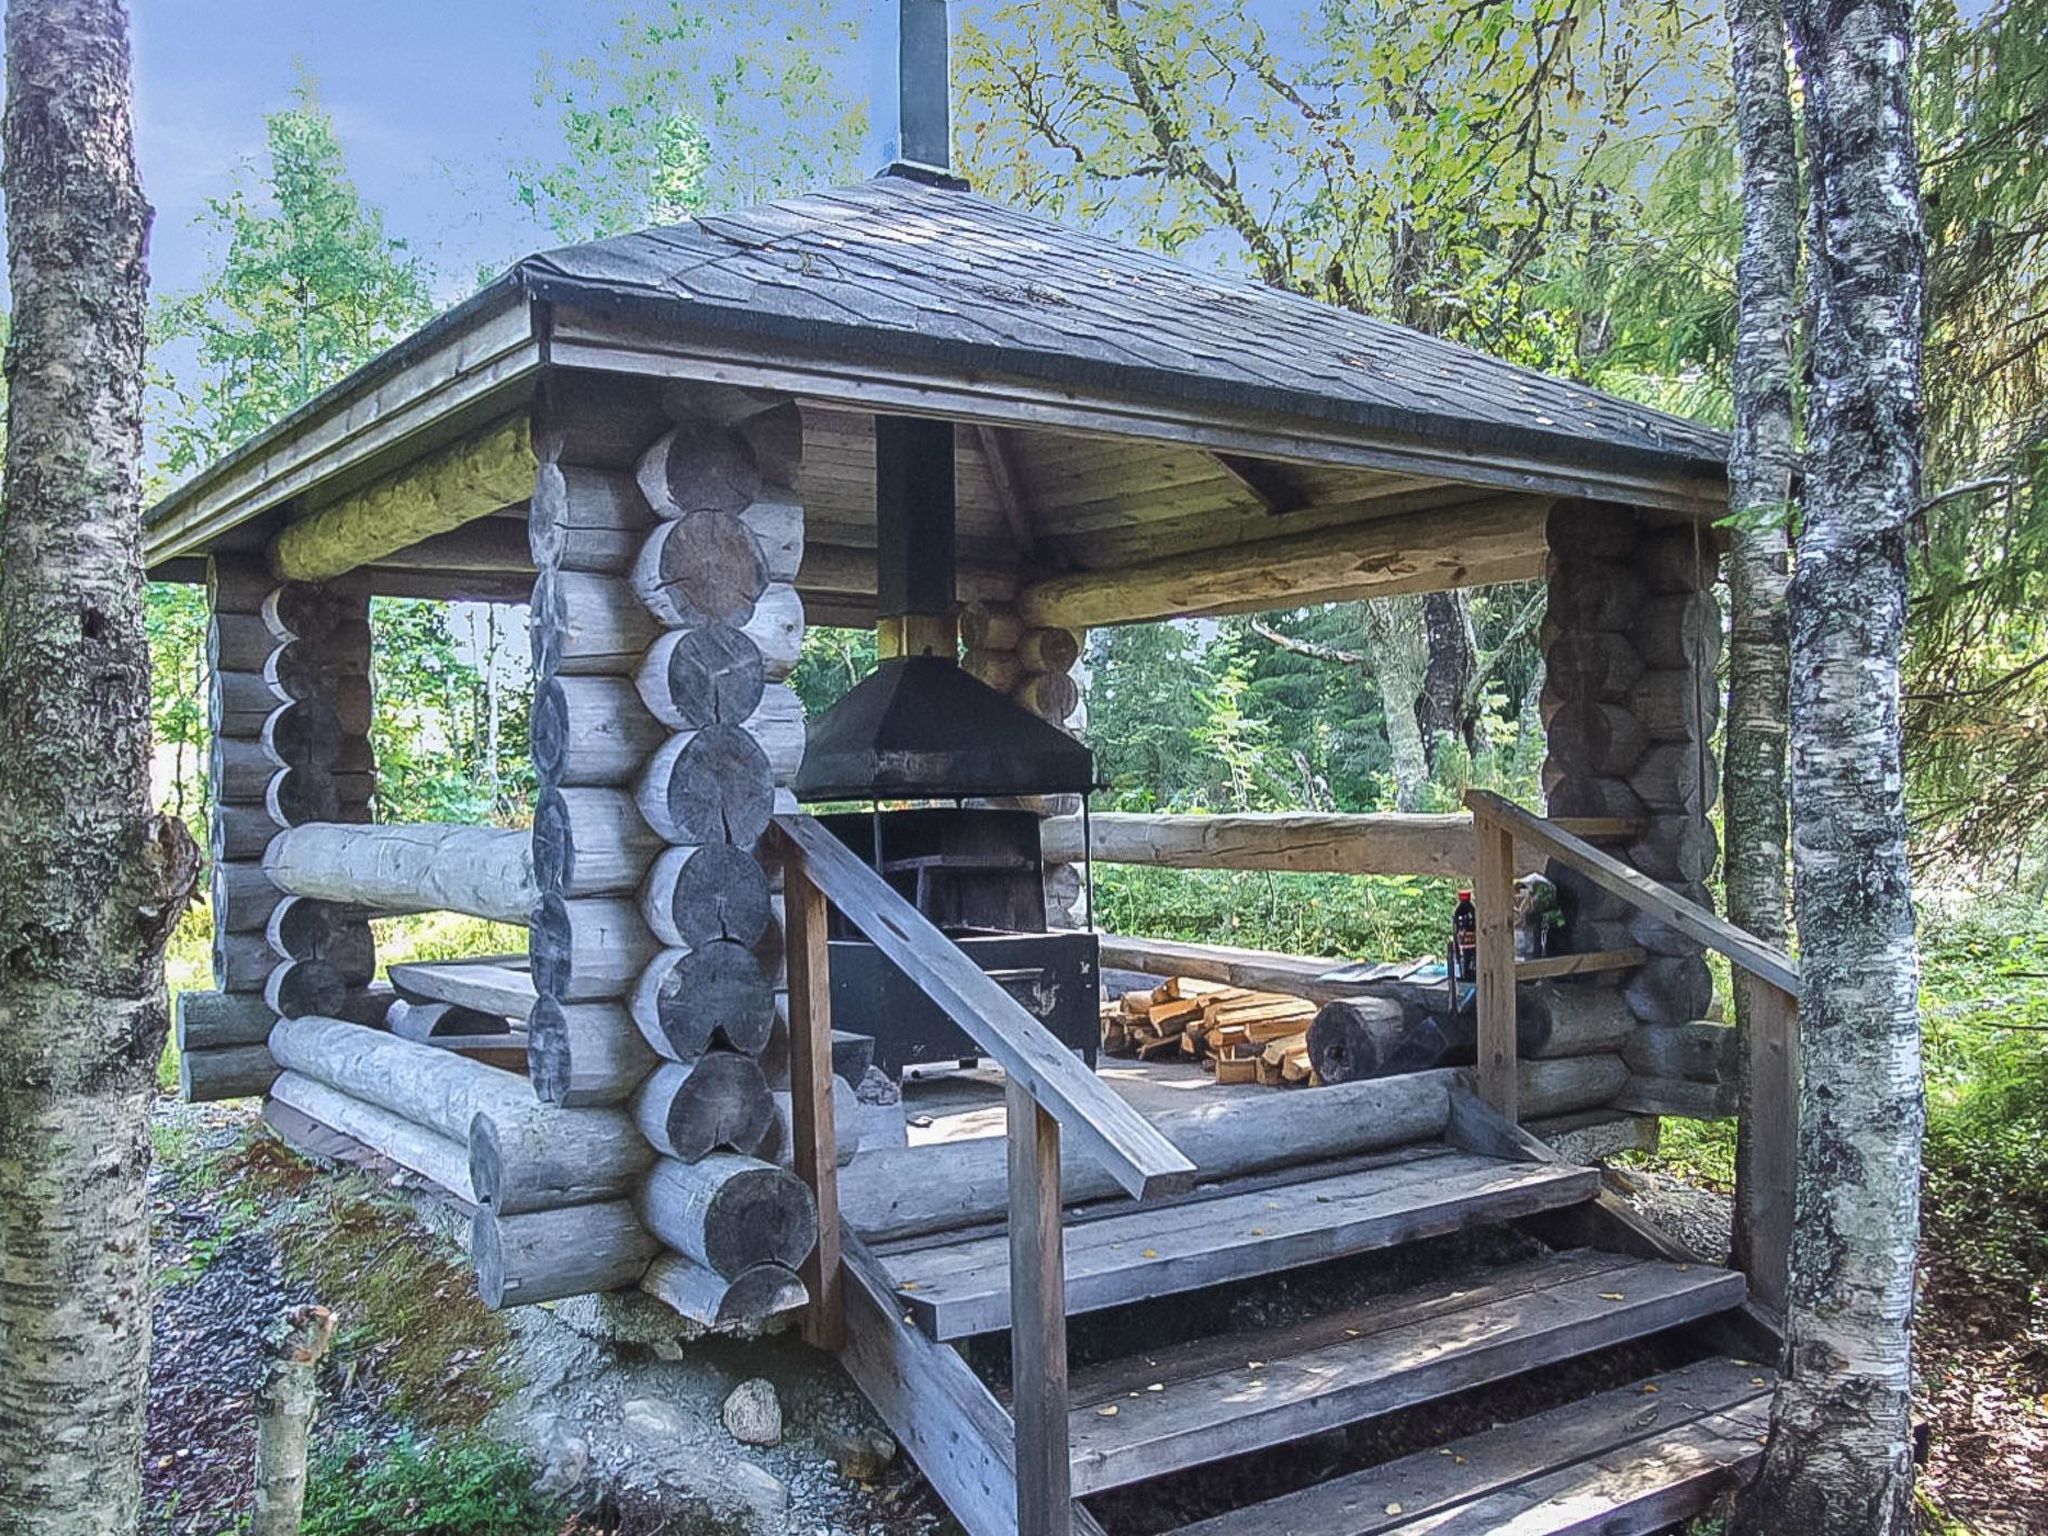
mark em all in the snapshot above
pixel 960 1288
pixel 1142 1417
pixel 1621 1463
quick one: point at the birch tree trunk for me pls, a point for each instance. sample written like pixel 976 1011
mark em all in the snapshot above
pixel 1397 639
pixel 91 882
pixel 1760 465
pixel 1839 1458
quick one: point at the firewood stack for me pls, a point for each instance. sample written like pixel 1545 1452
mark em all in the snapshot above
pixel 1240 1035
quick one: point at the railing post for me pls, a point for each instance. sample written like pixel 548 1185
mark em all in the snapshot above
pixel 1767 1151
pixel 810 1080
pixel 1493 894
pixel 1038 1321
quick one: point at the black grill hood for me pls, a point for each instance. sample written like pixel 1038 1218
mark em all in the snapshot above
pixel 920 728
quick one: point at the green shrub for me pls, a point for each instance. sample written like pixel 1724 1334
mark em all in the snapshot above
pixel 453 1487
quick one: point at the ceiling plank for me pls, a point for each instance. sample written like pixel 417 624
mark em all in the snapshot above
pixel 1009 487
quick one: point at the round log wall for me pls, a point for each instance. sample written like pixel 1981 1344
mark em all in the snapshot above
pixel 1038 668
pixel 1630 644
pixel 665 626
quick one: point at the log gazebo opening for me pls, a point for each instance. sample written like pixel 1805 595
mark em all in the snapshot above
pixel 900 404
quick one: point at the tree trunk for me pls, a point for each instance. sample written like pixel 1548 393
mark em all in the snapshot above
pixel 1760 465
pixel 92 882
pixel 1839 1458
pixel 1398 641
pixel 1440 708
pixel 284 1420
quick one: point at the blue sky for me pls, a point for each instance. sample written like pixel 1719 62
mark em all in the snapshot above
pixel 432 99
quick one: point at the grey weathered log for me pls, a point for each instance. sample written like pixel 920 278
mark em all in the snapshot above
pixel 239 770
pixel 701 568
pixel 305 928
pixel 441 1160
pixel 1589 595
pixel 850 1122
pixel 939 1186
pixel 1000 670
pixel 707 891
pixel 242 895
pixel 1677 776
pixel 719 1102
pixel 1592 530
pixel 591 731
pixel 1670 989
pixel 729 1212
pixel 585 519
pixel 590 842
pixel 1676 704
pixel 699 466
pixel 714 785
pixel 1051 696
pixel 1048 650
pixel 688 999
pixel 539 1157
pixel 580 1250
pixel 1682 631
pixel 702 675
pixel 240 831
pixel 428 1086
pixel 1596 738
pixel 497 985
pixel 1699 1050
pixel 584 625
pixel 298 989
pixel 777 724
pixel 306 733
pixel 586 951
pixel 1591 664
pixel 987 626
pixel 1659 937
pixel 1682 559
pixel 238 642
pixel 431 1021
pixel 585 1053
pixel 481 871
pixel 211 1020
pixel 225 1072
pixel 1681 849
pixel 1678 1096
pixel 740 1305
pixel 1577 795
pixel 239 702
pixel 777 630
pixel 1405 1028
pixel 242 962
pixel 300 795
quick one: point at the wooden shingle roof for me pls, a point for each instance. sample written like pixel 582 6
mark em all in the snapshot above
pixel 895 267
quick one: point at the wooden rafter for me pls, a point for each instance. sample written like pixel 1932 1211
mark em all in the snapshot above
pixel 1009 487
pixel 1270 483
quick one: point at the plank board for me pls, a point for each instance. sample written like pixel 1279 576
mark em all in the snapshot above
pixel 1391 1353
pixel 959 1289
pixel 500 985
pixel 1610 1430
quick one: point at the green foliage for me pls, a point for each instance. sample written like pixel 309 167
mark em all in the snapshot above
pixel 682 108
pixel 451 730
pixel 833 660
pixel 457 1486
pixel 1984 998
pixel 308 286
pixel 175 620
pixel 1341 916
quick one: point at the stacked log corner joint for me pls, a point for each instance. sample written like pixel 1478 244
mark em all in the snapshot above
pixel 665 625
pixel 1630 642
pixel 289 710
pixel 1037 668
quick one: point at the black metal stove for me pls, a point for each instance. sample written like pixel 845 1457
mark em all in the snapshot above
pixel 920 728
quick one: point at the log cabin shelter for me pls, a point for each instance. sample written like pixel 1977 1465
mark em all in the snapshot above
pixel 983 432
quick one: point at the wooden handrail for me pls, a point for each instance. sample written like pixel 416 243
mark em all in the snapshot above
pixel 1127 1145
pixel 1610 874
pixel 1297 842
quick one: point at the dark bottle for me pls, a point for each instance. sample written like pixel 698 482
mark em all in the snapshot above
pixel 1465 939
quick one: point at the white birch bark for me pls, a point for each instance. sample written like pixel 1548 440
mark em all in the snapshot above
pixel 1839 1458
pixel 1760 466
pixel 92 881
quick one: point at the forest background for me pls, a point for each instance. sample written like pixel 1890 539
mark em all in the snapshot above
pixel 1552 181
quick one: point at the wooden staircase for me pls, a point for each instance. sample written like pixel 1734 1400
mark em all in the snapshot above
pixel 1632 1455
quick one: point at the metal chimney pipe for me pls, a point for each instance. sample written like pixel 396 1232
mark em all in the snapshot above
pixel 912 108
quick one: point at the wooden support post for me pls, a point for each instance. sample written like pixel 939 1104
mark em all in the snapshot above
pixel 1766 1168
pixel 1038 1320
pixel 1493 893
pixel 811 1109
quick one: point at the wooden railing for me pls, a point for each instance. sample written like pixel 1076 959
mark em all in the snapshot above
pixel 1049 1092
pixel 1768 984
